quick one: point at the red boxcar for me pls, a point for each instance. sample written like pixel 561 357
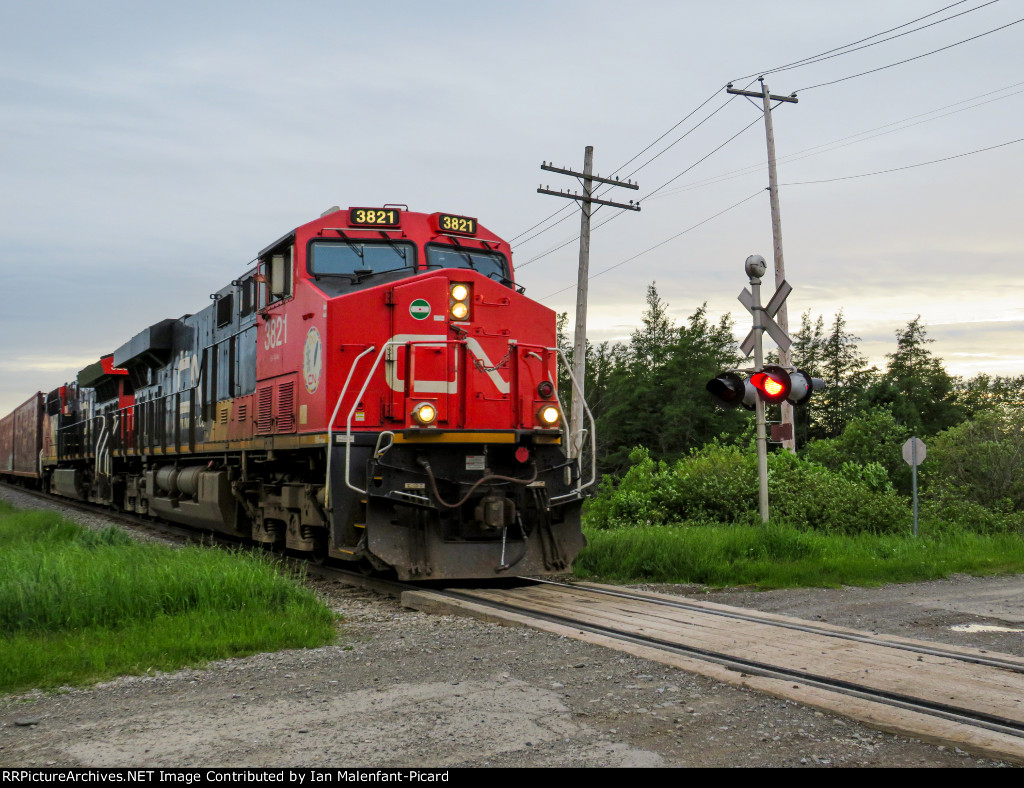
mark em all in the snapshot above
pixel 21 439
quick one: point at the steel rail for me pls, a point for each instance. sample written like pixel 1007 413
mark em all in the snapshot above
pixel 752 667
pixel 753 618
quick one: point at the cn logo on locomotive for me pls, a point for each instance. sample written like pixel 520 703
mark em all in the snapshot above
pixel 440 386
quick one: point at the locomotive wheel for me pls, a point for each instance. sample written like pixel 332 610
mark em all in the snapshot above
pixel 319 554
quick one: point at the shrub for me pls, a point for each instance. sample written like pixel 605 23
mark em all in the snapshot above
pixel 871 437
pixel 718 484
pixel 979 462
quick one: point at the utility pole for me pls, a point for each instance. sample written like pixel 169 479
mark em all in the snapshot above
pixel 579 353
pixel 755 268
pixel 780 266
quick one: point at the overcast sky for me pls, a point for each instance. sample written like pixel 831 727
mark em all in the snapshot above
pixel 149 151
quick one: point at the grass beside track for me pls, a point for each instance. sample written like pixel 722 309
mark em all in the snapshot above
pixel 78 606
pixel 778 556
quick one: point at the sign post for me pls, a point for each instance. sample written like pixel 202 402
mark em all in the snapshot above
pixel 755 267
pixel 914 452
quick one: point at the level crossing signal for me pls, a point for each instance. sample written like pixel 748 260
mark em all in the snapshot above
pixel 772 384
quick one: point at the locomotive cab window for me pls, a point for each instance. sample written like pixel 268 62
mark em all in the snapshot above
pixel 225 310
pixel 490 264
pixel 245 297
pixel 358 260
pixel 276 271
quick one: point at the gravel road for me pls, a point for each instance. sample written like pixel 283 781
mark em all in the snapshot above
pixel 402 688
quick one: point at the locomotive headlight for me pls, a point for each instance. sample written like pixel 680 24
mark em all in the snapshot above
pixel 458 305
pixel 548 415
pixel 424 413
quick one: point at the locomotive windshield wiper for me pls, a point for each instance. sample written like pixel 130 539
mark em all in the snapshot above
pixel 362 273
pixel 398 250
pixel 468 256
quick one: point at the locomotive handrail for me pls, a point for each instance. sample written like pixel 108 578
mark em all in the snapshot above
pixel 137 428
pixel 355 404
pixel 366 382
pixel 593 429
pixel 108 461
pixel 100 441
pixel 82 449
pixel 378 452
pixel 330 430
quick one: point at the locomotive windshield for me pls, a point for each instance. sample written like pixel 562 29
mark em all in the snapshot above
pixel 490 264
pixel 357 259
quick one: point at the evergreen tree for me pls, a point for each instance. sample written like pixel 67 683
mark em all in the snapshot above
pixel 806 353
pixel 915 385
pixel 808 345
pixel 649 346
pixel 844 370
pixel 984 393
pixel 835 358
pixel 656 396
pixel 701 351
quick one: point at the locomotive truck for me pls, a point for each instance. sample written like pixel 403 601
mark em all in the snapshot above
pixel 376 389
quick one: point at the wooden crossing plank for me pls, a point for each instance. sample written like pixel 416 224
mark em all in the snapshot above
pixel 995 744
pixel 982 688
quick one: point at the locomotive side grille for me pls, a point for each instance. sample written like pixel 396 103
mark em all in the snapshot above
pixel 286 407
pixel 265 411
pixel 243 410
pixel 222 414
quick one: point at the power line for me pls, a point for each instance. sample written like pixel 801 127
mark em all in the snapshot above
pixel 634 158
pixel 909 166
pixel 834 144
pixel 794 64
pixel 658 245
pixel 680 123
pixel 680 175
pixel 615 216
pixel 538 224
pixel 898 35
pixel 680 139
pixel 911 59
pixel 552 216
pixel 836 52
pixel 550 251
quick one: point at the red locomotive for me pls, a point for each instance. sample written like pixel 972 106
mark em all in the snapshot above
pixel 377 389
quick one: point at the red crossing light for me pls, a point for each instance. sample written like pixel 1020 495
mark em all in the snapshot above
pixel 772 383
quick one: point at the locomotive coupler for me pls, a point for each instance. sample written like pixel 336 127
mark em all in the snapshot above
pixel 495 512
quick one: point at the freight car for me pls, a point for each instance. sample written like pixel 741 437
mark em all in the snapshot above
pixel 376 389
pixel 21 439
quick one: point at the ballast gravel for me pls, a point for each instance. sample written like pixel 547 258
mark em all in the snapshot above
pixel 403 688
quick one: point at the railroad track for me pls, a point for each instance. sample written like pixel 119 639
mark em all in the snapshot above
pixel 954 696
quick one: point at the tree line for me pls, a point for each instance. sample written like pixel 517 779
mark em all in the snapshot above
pixel 650 392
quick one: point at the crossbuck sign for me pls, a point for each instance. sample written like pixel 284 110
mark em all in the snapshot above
pixel 767 322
